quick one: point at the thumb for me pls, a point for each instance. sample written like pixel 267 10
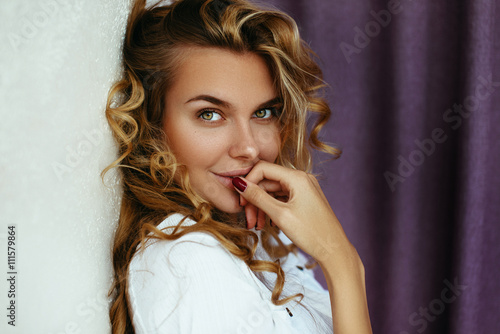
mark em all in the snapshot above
pixel 258 197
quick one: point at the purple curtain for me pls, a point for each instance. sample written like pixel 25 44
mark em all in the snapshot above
pixel 415 87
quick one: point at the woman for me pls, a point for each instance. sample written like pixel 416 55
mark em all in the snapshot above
pixel 210 121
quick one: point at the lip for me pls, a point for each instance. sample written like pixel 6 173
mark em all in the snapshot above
pixel 236 172
pixel 226 178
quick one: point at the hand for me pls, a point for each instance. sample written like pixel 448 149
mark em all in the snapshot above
pixel 305 216
pixel 308 220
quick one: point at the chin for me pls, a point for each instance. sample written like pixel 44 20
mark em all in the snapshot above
pixel 229 203
pixel 229 207
pixel 232 210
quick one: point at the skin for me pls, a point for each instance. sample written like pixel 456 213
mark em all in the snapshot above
pixel 220 119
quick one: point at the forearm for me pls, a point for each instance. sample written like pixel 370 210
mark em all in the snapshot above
pixel 347 294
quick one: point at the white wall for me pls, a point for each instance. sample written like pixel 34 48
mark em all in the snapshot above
pixel 58 59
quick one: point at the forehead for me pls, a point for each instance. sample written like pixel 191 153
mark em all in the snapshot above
pixel 235 77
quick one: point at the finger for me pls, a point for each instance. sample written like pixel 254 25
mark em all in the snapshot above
pixel 264 170
pixel 315 182
pixel 269 186
pixel 281 198
pixel 261 219
pixel 258 197
pixel 251 215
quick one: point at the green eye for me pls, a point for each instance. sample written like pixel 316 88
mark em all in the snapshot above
pixel 209 115
pixel 264 113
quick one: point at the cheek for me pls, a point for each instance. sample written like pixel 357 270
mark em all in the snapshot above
pixel 194 148
pixel 269 142
pixel 191 148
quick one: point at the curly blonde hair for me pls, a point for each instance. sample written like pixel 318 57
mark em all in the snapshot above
pixel 155 41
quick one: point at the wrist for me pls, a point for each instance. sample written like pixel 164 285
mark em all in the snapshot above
pixel 342 265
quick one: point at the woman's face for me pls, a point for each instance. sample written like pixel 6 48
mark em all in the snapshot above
pixel 221 119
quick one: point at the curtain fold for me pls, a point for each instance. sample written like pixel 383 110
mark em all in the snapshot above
pixel 414 90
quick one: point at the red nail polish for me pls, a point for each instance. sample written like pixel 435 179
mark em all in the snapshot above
pixel 239 184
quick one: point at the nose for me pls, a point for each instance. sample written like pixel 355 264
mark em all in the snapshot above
pixel 244 145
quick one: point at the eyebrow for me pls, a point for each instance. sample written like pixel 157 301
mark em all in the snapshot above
pixel 227 105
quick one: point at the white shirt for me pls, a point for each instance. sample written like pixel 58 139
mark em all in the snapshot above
pixel 194 285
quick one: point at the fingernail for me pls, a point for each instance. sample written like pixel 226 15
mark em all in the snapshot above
pixel 239 184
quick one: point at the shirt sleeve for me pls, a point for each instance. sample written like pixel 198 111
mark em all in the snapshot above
pixel 194 285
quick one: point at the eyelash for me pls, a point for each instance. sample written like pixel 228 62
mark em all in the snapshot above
pixel 205 111
pixel 275 113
